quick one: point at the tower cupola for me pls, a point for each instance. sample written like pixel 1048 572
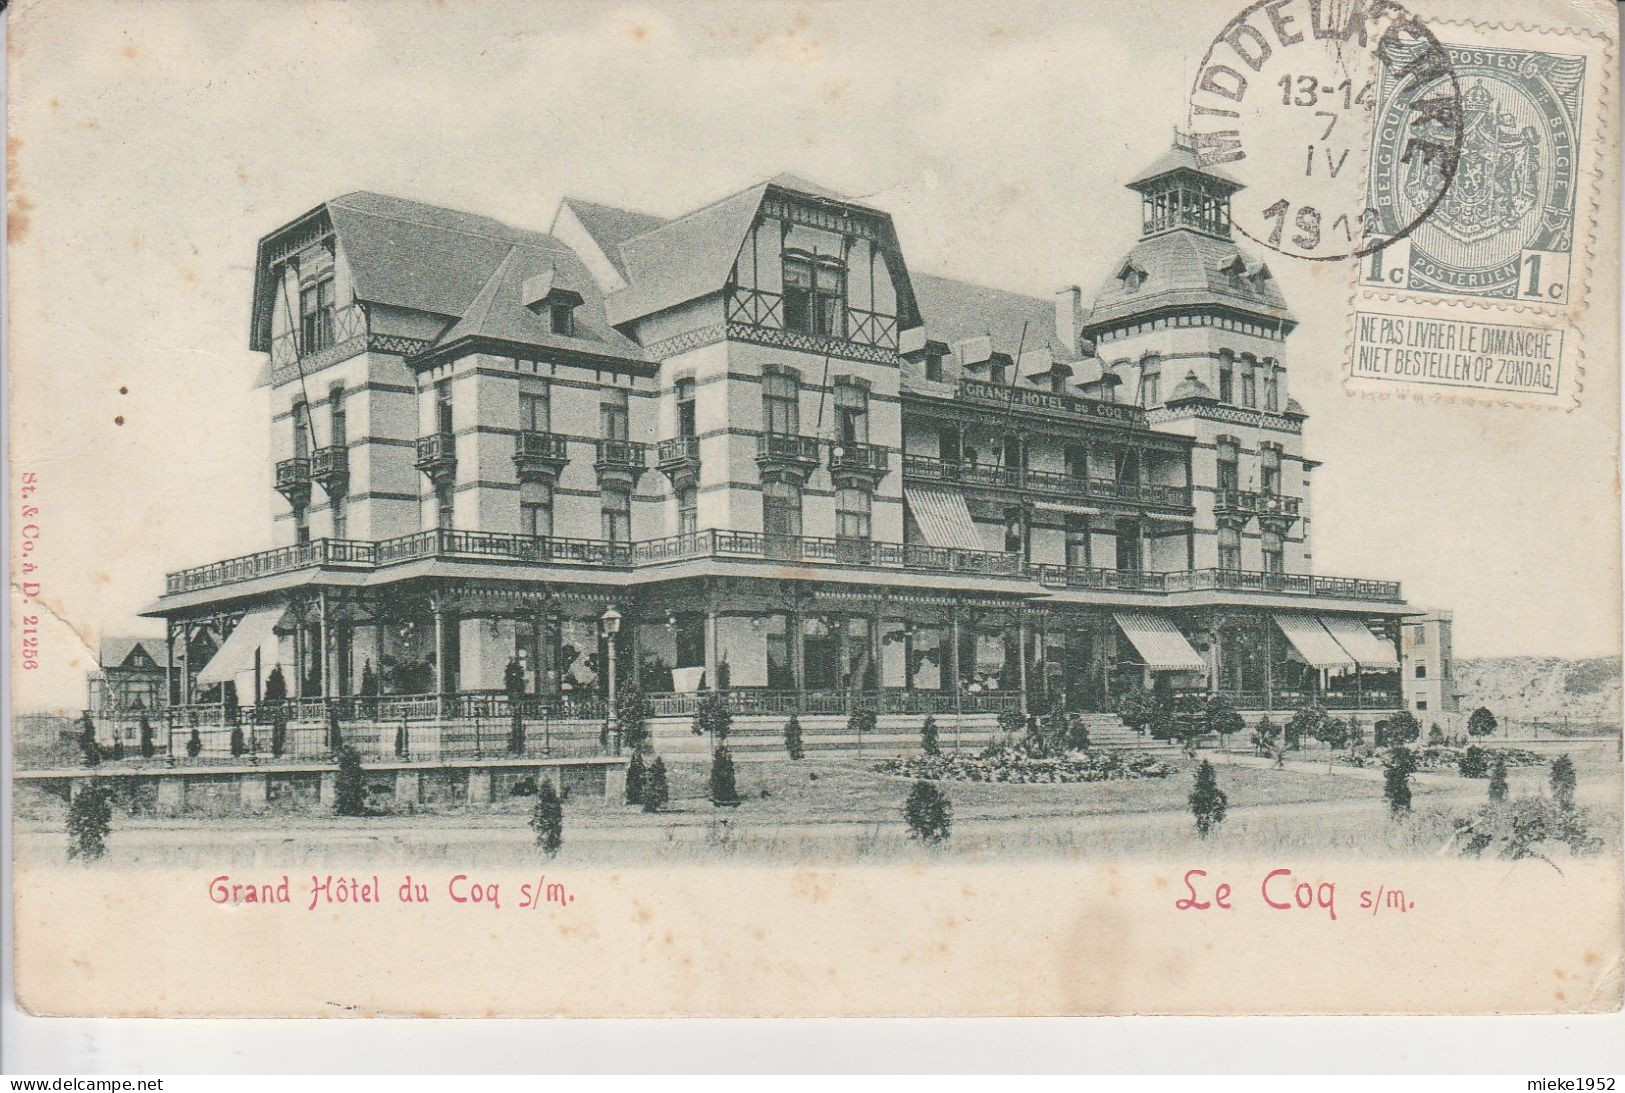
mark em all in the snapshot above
pixel 1178 192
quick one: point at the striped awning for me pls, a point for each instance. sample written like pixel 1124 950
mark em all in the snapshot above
pixel 236 654
pixel 1317 648
pixel 1369 651
pixel 1159 642
pixel 943 518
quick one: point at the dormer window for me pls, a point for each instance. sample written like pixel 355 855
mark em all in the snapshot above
pixel 814 293
pixel 544 296
pixel 561 318
pixel 933 367
pixel 316 316
pixel 1132 277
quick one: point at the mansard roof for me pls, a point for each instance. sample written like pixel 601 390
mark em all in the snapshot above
pixel 1187 270
pixel 957 311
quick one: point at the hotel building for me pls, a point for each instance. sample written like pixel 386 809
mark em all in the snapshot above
pixel 750 449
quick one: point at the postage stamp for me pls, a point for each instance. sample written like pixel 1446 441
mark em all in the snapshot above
pixel 1509 221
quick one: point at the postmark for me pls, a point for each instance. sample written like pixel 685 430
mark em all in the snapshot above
pixel 1284 101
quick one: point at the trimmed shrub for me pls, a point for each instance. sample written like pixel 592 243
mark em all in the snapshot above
pixel 1498 781
pixel 1012 722
pixel 792 738
pixel 1482 722
pixel 1308 721
pixel 1399 730
pixel 238 744
pixel 1208 802
pixel 335 735
pixel 547 819
pixel 1474 763
pixel 523 787
pixel 1077 733
pixel 632 712
pixel 148 748
pixel 1563 782
pixel 90 817
pixel 636 772
pixel 861 721
pixel 276 685
pixel 1436 736
pixel 713 716
pixel 929 743
pixel 194 745
pixel 655 790
pixel 928 813
pixel 1220 717
pixel 279 733
pixel 1396 779
pixel 402 741
pixel 89 749
pixel 350 790
pixel 724 786
pixel 1266 736
pixel 118 747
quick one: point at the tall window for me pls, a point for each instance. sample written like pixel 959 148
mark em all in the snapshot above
pixel 443 407
pixel 852 514
pixel 536 508
pixel 688 511
pixel 341 517
pixel 301 429
pixel 1272 388
pixel 536 410
pixel 1274 561
pixel 1151 383
pixel 781 403
pixel 617 516
pixel 444 506
pixel 814 293
pixel 614 422
pixel 781 509
pixel 1128 546
pixel 1229 547
pixel 851 414
pixel 933 367
pixel 337 421
pixel 316 316
pixel 561 319
pixel 301 526
pixel 1229 463
pixel 1227 380
pixel 1077 541
pixel 1270 469
pixel 687 421
pixel 1249 384
pixel 1077 461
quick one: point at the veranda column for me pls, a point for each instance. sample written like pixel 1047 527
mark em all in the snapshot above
pixel 169 661
pixel 299 657
pixel 325 635
pixel 874 651
pixel 439 647
pixel 711 637
pixel 795 638
pixel 1021 657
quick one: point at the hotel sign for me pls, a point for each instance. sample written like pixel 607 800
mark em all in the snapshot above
pixel 1025 398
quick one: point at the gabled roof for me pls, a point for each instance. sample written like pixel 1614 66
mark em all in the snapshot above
pixel 692 256
pixel 955 311
pixel 1187 269
pixel 114 651
pixel 610 226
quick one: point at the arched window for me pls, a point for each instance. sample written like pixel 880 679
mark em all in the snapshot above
pixel 1227 380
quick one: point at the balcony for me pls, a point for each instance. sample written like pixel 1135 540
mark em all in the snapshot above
pixel 331 468
pixel 1245 503
pixel 437 456
pixel 539 456
pixel 1047 483
pixel 327 338
pixel 621 462
pixel 764 311
pixel 850 461
pixel 786 456
pixel 293 481
pixel 679 460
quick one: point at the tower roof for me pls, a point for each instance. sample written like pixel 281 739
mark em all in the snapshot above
pixel 1181 157
pixel 1187 270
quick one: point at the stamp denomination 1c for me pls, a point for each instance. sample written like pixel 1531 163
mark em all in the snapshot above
pixel 1504 229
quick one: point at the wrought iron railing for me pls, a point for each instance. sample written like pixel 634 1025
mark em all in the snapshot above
pixel 680 449
pixel 759 307
pixel 787 447
pixel 436 450
pixel 623 454
pixel 1250 503
pixel 1045 482
pixel 531 444
pixel 748 701
pixel 292 473
pixel 851 456
pixel 345 323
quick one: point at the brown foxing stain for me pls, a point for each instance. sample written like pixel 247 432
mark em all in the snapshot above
pixel 129 51
pixel 56 104
pixel 135 241
pixel 123 390
pixel 119 420
pixel 835 91
pixel 19 206
pixel 638 32
pixel 1591 958
pixel 242 175
pixel 90 123
pixel 641 914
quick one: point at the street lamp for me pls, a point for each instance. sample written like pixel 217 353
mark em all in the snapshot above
pixel 609 624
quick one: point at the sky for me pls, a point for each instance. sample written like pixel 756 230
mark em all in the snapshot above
pixel 152 144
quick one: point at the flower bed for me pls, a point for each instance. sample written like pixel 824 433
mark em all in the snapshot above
pixel 1013 765
pixel 1446 758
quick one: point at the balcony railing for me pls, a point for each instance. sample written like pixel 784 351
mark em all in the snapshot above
pixel 1249 503
pixel 864 458
pixel 1283 700
pixel 1051 483
pixel 760 308
pixel 532 444
pixel 292 474
pixel 622 455
pixel 437 453
pixel 677 451
pixel 783 703
pixel 344 324
pixel 331 467
pixel 600 553
pixel 787 448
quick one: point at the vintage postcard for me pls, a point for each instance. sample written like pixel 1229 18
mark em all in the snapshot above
pixel 814 509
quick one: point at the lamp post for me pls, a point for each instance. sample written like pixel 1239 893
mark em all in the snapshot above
pixel 609 624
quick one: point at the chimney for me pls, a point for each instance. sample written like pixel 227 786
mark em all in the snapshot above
pixel 1068 314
